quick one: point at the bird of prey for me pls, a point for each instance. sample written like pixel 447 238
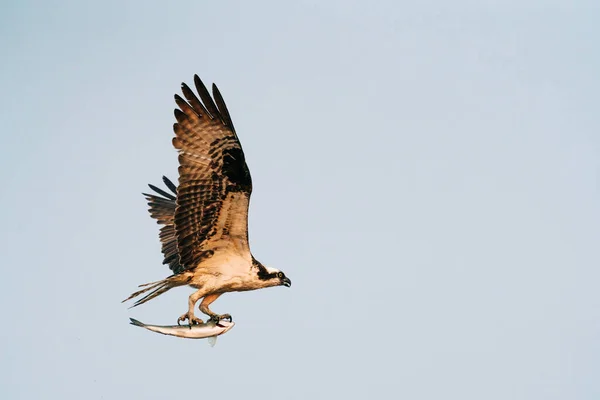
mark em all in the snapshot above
pixel 204 220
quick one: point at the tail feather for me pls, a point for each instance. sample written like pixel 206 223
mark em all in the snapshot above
pixel 147 284
pixel 156 289
pixel 156 292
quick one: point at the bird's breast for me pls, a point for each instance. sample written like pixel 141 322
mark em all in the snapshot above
pixel 225 273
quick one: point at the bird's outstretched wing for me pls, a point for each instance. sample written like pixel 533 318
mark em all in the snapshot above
pixel 211 205
pixel 162 208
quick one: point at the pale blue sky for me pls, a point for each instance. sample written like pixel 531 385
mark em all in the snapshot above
pixel 426 174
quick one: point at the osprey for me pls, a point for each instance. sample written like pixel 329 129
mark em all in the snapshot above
pixel 204 220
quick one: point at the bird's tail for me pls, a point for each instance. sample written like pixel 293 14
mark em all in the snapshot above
pixel 157 288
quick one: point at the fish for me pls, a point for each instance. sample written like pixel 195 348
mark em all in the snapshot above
pixel 210 329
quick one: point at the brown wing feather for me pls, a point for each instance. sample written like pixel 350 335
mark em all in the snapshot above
pixel 163 210
pixel 214 180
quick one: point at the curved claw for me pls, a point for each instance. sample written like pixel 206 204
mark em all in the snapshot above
pixel 217 318
pixel 192 320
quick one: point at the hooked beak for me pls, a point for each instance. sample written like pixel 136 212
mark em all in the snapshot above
pixel 286 282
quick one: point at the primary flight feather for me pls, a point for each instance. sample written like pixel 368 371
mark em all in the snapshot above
pixel 204 220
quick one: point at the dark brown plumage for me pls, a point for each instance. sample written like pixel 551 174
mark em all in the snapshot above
pixel 211 165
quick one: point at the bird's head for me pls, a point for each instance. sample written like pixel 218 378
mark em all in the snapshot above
pixel 283 280
pixel 273 277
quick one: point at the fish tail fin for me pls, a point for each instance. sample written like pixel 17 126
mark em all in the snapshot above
pixel 136 322
pixel 157 288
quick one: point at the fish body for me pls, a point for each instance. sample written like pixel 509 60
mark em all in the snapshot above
pixel 209 329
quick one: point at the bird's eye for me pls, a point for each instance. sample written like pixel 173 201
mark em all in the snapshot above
pixel 280 274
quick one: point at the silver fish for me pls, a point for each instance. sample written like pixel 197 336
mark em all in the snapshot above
pixel 209 329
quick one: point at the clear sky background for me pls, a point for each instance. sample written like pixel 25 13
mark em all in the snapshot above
pixel 427 174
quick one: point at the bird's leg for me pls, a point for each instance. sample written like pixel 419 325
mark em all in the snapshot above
pixel 193 299
pixel 207 301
